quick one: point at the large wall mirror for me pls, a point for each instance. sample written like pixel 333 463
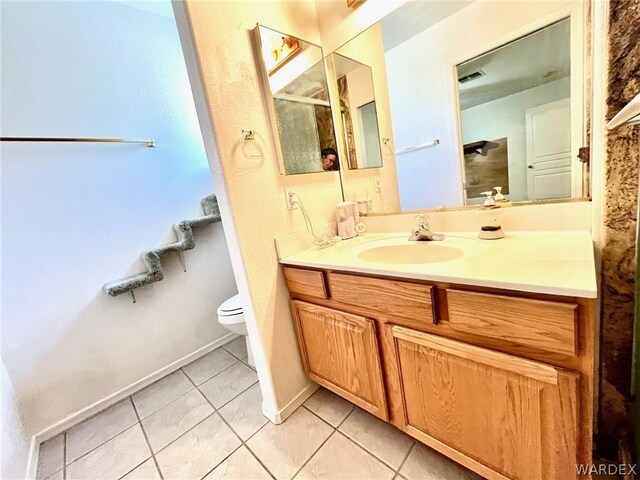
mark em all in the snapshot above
pixel 294 75
pixel 475 101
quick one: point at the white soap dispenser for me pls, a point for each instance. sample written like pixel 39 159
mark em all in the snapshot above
pixel 489 201
pixel 490 215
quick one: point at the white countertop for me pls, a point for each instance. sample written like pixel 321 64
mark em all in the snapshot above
pixel 556 263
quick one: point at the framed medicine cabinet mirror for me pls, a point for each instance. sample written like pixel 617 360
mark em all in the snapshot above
pixel 293 75
pixel 470 97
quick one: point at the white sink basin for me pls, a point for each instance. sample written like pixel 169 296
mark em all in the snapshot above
pixel 411 252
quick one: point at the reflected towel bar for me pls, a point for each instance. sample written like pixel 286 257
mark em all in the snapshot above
pixel 432 143
pixel 149 143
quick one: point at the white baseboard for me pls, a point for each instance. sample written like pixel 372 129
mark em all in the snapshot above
pixel 279 416
pixel 106 402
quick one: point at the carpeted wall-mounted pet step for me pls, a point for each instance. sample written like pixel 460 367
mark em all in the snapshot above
pixel 152 258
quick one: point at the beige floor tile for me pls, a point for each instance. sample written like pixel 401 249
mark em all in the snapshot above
pixel 284 448
pixel 329 406
pixel 244 413
pixel 386 442
pixel 146 471
pixel 342 459
pixel 174 419
pixel 198 451
pixel 51 457
pixel 113 459
pixel 228 384
pixel 93 432
pixel 211 364
pixel 426 464
pixel 160 393
pixel 241 465
pixel 237 348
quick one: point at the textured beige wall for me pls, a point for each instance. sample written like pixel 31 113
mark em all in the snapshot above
pixel 620 218
pixel 252 196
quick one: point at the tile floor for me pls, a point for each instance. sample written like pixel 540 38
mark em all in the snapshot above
pixel 204 421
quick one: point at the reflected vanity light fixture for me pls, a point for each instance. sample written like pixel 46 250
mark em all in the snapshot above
pixel 248 135
pixel 278 49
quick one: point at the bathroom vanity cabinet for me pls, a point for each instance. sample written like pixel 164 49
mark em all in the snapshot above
pixel 500 381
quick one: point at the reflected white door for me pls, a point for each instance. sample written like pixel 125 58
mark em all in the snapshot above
pixel 549 150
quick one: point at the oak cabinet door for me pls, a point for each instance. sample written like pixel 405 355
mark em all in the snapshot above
pixel 340 352
pixel 500 415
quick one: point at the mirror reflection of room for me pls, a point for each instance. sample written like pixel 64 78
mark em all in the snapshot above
pixel 358 112
pixel 479 106
pixel 516 119
pixel 301 107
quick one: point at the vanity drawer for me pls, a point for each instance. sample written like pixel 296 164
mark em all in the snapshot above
pixel 540 324
pixel 310 283
pixel 411 301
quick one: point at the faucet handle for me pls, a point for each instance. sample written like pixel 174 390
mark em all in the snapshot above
pixel 422 220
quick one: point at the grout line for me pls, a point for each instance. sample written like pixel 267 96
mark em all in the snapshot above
pixel 213 376
pixel 335 429
pixel 163 406
pixel 347 417
pixel 146 438
pixel 242 442
pixel 256 456
pixel 318 416
pixel 314 453
pixel 406 458
pixel 64 456
pixel 222 461
pixel 371 453
pixel 139 420
pixel 234 340
pixel 229 401
pixel 106 441
pixel 183 434
pixel 127 473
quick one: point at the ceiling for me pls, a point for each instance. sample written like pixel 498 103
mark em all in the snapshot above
pixel 538 58
pixel 311 84
pixel 344 65
pixel 414 17
pixel 157 7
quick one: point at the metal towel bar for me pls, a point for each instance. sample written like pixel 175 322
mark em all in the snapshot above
pixel 149 143
pixel 432 143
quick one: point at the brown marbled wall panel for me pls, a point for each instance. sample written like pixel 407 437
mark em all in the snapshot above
pixel 345 108
pixel 326 134
pixel 620 218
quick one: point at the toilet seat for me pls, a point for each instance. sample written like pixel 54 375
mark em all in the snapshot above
pixel 231 316
pixel 230 307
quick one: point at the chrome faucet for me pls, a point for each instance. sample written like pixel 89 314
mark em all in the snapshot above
pixel 423 232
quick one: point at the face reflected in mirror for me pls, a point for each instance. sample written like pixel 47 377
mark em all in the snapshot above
pixel 330 160
pixel 297 82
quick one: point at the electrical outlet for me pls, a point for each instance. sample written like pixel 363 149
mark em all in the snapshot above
pixel 289 196
pixel 379 185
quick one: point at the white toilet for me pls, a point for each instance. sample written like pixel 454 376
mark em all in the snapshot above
pixel 231 316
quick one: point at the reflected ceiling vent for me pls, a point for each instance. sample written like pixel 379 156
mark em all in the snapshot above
pixel 471 76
